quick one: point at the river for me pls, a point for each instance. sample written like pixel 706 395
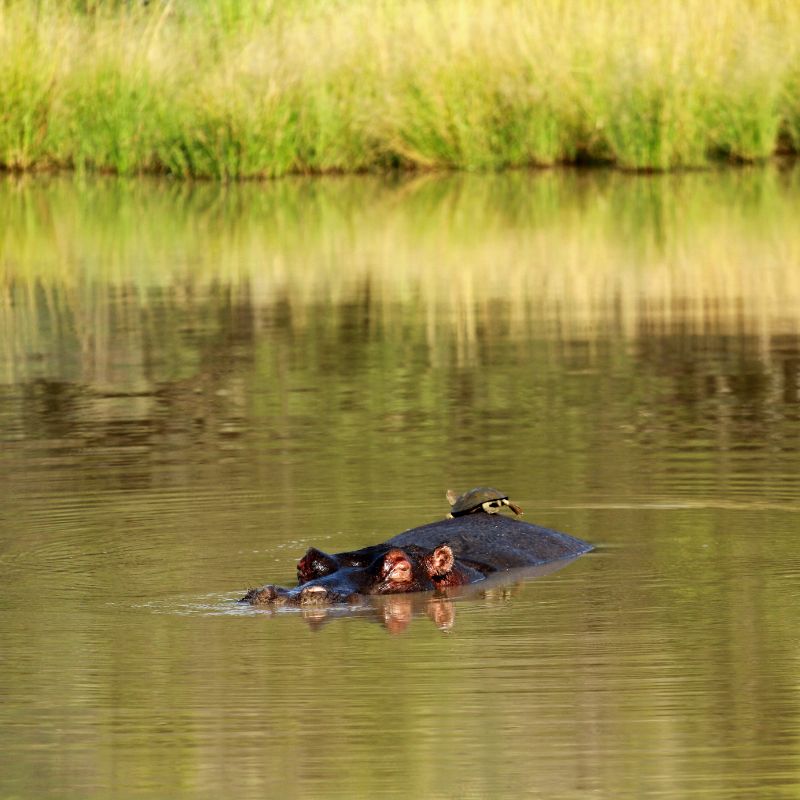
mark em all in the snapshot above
pixel 199 381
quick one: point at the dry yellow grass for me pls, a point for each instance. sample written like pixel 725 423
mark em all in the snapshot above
pixel 218 89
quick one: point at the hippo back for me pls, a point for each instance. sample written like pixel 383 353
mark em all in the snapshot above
pixel 493 542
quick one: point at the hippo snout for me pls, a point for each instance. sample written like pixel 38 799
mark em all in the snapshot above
pixel 278 596
pixel 306 596
pixel 265 596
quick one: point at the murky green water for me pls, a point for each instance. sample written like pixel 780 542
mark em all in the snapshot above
pixel 197 383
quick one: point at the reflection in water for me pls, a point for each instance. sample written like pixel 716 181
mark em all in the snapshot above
pixel 395 613
pixel 198 383
pixel 103 267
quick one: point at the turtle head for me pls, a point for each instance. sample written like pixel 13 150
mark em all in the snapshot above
pixel 493 506
pixel 514 507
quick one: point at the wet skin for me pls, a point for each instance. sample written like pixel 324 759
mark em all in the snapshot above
pixel 484 543
pixel 391 571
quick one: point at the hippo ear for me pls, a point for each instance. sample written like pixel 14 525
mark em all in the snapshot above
pixel 442 560
pixel 396 567
pixel 452 496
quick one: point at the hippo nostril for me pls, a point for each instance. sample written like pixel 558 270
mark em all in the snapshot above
pixel 266 595
pixel 313 595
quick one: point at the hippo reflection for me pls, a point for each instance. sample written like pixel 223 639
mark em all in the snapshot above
pixel 451 552
pixel 396 612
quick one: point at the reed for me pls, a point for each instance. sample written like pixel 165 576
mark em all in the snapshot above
pixel 244 90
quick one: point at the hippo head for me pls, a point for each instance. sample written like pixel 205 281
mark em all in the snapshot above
pixel 393 572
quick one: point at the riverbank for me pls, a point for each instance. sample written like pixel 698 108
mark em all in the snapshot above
pixel 229 90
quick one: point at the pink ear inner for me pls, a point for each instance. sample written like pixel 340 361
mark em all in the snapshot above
pixel 442 560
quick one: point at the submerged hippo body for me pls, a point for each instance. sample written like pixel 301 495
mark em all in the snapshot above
pixel 486 543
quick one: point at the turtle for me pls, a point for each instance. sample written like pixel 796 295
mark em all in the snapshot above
pixel 482 498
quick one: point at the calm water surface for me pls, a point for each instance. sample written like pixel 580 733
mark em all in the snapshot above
pixel 198 383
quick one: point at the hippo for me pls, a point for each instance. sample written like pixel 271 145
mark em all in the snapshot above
pixel 450 552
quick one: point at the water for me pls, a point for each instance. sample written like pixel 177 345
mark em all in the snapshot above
pixel 199 382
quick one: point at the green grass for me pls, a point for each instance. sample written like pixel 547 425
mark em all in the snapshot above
pixel 224 89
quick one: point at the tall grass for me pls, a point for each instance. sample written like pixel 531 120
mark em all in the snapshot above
pixel 224 89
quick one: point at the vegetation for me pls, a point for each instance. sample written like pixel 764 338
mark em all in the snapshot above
pixel 243 89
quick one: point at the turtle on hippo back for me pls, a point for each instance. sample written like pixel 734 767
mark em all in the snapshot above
pixel 481 499
pixel 478 503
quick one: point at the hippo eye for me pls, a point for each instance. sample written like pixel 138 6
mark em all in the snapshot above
pixel 401 571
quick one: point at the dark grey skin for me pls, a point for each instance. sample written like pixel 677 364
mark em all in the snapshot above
pixel 485 543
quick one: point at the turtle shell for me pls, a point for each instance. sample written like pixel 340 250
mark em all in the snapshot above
pixel 473 499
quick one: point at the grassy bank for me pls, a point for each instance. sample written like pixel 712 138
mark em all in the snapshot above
pixel 238 89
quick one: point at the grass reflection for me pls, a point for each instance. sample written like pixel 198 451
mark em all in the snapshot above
pixel 462 255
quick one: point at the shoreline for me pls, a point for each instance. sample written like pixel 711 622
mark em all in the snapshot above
pixel 781 159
